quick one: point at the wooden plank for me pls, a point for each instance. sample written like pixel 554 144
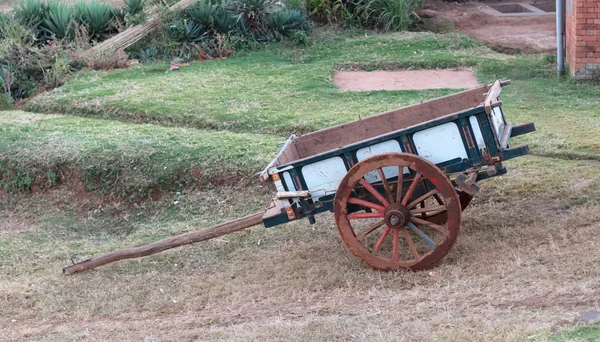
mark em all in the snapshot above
pixel 288 153
pixel 371 127
pixel 507 133
pixel 492 96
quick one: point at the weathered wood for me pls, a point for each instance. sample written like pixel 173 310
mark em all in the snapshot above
pixel 492 96
pixel 367 128
pixel 168 243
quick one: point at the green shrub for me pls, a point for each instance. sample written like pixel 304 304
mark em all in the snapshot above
pixel 57 21
pixel 388 15
pixel 133 7
pixel 332 12
pixel 97 16
pixel 6 101
pixel 30 12
pixel 287 22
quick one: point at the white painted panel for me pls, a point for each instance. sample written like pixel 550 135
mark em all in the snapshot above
pixel 440 143
pixel 323 177
pixel 389 146
pixel 288 181
pixel 498 121
pixel 477 132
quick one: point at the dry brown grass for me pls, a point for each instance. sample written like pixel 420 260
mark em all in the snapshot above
pixel 526 259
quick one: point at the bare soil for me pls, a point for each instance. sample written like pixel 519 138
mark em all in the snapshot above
pixel 532 34
pixel 405 79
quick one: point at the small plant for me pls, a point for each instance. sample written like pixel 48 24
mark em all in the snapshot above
pixel 6 102
pixel 388 15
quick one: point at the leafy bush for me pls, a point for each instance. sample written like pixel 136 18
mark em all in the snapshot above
pixel 332 12
pixel 388 15
pixel 97 16
pixel 287 22
pixel 133 7
pixel 6 102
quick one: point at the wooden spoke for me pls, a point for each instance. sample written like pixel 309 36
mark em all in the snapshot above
pixel 411 188
pixel 367 204
pixel 422 235
pixel 395 243
pixel 423 214
pixel 355 216
pixel 429 224
pixel 399 186
pixel 422 198
pixel 369 230
pixel 385 232
pixel 435 209
pixel 386 186
pixel 411 244
pixel 438 198
pixel 374 192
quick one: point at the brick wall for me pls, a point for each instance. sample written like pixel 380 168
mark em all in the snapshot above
pixel 582 34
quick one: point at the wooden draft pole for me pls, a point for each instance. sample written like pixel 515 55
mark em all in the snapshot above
pixel 168 243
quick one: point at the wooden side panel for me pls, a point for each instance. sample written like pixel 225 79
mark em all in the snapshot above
pixel 345 134
pixel 289 154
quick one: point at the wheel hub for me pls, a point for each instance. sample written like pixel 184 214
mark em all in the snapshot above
pixel 396 215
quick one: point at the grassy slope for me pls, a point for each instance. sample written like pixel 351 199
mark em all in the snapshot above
pixel 278 90
pixel 124 158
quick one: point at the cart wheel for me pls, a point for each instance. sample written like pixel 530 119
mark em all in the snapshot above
pixel 398 233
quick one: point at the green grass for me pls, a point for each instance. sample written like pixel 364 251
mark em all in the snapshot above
pixel 589 332
pixel 123 158
pixel 278 90
pixel 283 90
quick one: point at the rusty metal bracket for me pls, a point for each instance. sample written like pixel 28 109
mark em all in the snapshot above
pixel 467 182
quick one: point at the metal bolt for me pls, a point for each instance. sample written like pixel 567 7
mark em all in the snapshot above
pixel 394 220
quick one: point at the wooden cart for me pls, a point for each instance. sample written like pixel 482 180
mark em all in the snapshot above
pixel 397 182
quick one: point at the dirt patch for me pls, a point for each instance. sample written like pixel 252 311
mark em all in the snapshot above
pixel 533 34
pixel 405 79
pixel 10 227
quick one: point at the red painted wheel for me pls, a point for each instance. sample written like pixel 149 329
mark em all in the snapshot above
pixel 390 227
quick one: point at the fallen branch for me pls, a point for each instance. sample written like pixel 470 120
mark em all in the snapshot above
pixel 168 243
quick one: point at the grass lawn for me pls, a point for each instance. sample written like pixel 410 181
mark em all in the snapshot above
pixel 526 257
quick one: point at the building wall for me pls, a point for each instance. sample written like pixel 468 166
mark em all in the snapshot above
pixel 582 34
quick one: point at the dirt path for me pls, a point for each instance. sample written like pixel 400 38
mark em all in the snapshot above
pixel 405 79
pixel 532 34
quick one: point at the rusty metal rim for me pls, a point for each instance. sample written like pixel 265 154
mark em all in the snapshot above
pixel 428 171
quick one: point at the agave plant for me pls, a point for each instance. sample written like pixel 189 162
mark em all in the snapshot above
pixel 286 22
pixel 202 13
pixel 224 21
pixel 96 16
pixel 30 12
pixel 133 7
pixel 252 15
pixel 57 20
